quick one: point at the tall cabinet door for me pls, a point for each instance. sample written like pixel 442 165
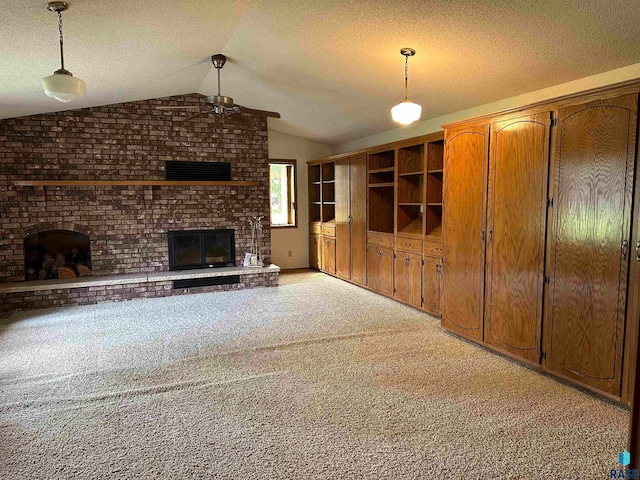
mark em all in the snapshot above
pixel 329 255
pixel 343 226
pixel 373 267
pixel 358 202
pixel 464 229
pixel 516 227
pixel 315 252
pixel 415 279
pixel 401 277
pixel 431 285
pixel 591 186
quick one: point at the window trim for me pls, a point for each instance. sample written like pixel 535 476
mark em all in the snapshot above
pixel 294 190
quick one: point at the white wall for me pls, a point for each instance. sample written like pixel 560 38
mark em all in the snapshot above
pixel 433 125
pixel 294 240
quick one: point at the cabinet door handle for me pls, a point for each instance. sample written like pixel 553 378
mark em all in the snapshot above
pixel 482 236
pixel 625 249
pixel 638 251
pixel 491 236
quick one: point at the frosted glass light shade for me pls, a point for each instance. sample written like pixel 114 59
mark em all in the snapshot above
pixel 63 87
pixel 406 112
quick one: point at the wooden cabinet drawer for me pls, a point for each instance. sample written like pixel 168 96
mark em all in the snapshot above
pixel 433 249
pixel 408 245
pixel 315 228
pixel 328 231
pixel 380 239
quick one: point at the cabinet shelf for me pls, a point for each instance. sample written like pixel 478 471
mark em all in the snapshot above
pixel 381 170
pixel 434 204
pixel 414 227
pixel 316 183
pixel 409 204
pixel 382 185
pixel 435 172
pixel 328 181
pixel 409 174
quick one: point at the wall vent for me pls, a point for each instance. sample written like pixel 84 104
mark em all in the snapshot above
pixel 206 282
pixel 205 171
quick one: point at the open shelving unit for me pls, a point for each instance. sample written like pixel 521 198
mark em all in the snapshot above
pixel 411 197
pixel 433 208
pixel 328 193
pixel 381 178
pixel 315 193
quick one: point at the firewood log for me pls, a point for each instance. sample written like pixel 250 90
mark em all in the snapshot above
pixel 84 271
pixel 65 272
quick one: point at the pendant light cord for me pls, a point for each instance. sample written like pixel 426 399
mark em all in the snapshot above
pixel 61 40
pixel 406 76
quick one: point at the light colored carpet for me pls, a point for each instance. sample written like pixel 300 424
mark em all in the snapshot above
pixel 314 379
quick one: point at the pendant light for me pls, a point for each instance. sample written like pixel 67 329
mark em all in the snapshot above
pixel 62 85
pixel 406 112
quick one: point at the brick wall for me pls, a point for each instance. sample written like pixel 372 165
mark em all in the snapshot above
pixel 127 225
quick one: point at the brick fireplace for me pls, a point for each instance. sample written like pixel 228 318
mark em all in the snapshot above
pixel 127 224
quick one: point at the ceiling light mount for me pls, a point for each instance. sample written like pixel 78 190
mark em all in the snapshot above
pixel 62 85
pixel 406 112
pixel 57 6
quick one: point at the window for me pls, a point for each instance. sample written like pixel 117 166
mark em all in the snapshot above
pixel 282 176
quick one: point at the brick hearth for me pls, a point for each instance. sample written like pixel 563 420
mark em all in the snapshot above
pixel 127 225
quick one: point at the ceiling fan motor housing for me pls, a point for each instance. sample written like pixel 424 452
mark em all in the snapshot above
pixel 219 101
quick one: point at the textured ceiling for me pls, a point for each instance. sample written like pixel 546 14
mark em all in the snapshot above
pixel 331 68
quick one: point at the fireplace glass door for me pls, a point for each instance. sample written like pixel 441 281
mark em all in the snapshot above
pixel 201 249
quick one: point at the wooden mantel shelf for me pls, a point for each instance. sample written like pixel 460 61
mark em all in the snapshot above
pixel 77 183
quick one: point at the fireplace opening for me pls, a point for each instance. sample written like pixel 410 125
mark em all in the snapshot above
pixel 56 254
pixel 201 249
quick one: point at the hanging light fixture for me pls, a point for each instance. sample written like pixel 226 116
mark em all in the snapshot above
pixel 406 112
pixel 62 85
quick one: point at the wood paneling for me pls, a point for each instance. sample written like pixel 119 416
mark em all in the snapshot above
pixel 516 223
pixel 358 177
pixel 466 162
pixel 431 285
pixel 329 255
pixel 592 175
pixel 343 227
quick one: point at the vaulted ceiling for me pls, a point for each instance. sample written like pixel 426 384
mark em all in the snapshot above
pixel 331 68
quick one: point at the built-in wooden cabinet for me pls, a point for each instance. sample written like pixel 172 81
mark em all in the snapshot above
pixel 519 229
pixel 381 191
pixel 589 241
pixel 408 278
pixel 432 285
pixel 466 162
pixel 538 237
pixel 380 269
pixel 315 252
pixel 516 226
pixel 329 254
pixel 351 218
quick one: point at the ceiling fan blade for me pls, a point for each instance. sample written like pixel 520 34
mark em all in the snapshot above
pixel 201 114
pixel 191 107
pixel 260 113
pixel 240 119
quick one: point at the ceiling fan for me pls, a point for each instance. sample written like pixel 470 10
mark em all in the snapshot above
pixel 221 105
